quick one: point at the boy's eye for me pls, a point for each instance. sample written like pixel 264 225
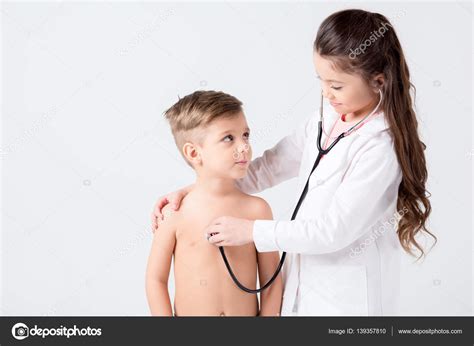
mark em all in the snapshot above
pixel 228 138
pixel 336 88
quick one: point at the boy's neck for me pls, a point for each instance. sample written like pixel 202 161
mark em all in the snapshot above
pixel 215 186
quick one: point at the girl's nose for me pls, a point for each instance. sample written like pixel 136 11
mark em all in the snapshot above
pixel 327 94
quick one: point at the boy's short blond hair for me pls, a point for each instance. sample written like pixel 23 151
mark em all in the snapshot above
pixel 197 110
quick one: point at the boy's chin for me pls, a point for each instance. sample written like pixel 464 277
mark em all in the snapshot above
pixel 239 175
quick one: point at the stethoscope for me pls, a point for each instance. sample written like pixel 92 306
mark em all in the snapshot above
pixel 321 153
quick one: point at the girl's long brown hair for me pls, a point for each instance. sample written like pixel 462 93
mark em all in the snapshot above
pixel 356 43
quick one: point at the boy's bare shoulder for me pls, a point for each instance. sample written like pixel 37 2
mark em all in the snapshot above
pixel 259 208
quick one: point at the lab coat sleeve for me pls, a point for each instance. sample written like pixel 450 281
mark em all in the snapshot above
pixel 280 163
pixel 368 189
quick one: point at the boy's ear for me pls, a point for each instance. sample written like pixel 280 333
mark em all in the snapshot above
pixel 191 153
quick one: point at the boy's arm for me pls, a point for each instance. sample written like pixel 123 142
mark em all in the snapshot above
pixel 270 298
pixel 158 269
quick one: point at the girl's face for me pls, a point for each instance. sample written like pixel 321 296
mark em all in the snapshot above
pixel 348 93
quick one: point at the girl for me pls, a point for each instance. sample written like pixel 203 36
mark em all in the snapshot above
pixel 365 200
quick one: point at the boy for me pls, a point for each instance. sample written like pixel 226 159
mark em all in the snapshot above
pixel 212 135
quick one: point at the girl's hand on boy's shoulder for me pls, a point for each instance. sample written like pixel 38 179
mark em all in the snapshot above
pixel 172 201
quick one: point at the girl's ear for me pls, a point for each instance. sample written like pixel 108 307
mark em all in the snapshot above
pixel 378 82
pixel 192 154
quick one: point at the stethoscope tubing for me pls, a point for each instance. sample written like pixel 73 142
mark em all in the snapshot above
pixel 321 153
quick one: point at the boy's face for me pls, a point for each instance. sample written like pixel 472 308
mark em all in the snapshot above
pixel 225 151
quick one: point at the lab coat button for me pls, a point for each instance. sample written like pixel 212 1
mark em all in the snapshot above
pixel 319 182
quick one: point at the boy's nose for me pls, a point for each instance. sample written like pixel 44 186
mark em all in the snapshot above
pixel 243 148
pixel 240 150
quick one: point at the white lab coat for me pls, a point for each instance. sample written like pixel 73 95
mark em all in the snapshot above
pixel 343 249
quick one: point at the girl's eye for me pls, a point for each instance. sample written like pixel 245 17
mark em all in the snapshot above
pixel 246 135
pixel 229 137
pixel 336 88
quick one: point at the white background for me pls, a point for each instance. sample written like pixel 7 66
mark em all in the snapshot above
pixel 85 151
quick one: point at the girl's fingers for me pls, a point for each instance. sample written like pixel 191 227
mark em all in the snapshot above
pixel 161 203
pixel 173 199
pixel 210 231
pixel 154 224
pixel 213 230
pixel 216 238
pixel 156 215
pixel 176 199
pixel 174 203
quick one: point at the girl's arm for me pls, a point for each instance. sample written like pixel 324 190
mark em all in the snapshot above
pixel 158 269
pixel 367 192
pixel 278 164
